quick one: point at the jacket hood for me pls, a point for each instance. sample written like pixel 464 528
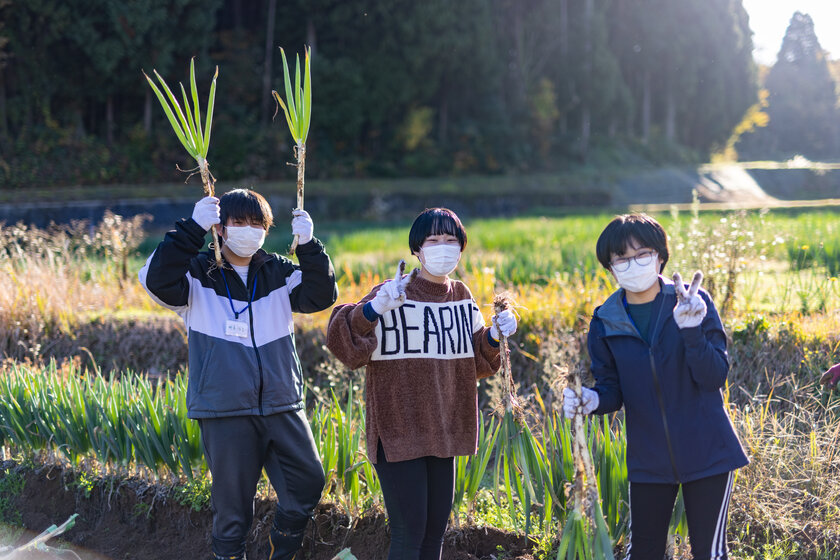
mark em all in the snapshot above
pixel 614 316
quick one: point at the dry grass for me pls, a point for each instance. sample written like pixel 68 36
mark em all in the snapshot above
pixel 58 280
pixel 789 492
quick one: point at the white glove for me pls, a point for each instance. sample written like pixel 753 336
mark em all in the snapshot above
pixel 302 226
pixel 206 212
pixel 507 324
pixel 391 294
pixel 571 401
pixel 690 309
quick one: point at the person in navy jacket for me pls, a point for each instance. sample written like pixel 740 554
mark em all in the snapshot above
pixel 658 348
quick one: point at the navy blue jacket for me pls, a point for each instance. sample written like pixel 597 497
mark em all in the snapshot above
pixel 677 427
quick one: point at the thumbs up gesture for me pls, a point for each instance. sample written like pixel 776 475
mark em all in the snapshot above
pixel 690 309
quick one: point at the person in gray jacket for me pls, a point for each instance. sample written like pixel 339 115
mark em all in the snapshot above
pixel 245 386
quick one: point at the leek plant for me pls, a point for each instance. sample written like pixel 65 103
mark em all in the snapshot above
pixel 124 423
pixel 187 126
pixel 298 112
pixel 339 441
pixel 585 533
pixel 470 469
pixel 520 462
pixel 38 544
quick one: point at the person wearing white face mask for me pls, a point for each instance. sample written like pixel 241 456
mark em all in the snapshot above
pixel 245 385
pixel 423 341
pixel 658 349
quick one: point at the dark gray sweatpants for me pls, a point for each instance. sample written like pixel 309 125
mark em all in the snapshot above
pixel 237 449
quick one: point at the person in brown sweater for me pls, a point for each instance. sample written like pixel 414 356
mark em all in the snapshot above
pixel 424 344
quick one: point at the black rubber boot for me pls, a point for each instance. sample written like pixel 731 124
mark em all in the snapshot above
pixel 283 545
pixel 235 557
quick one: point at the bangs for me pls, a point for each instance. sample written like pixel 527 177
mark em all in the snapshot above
pixel 443 224
pixel 627 233
pixel 436 221
pixel 245 205
pixel 621 231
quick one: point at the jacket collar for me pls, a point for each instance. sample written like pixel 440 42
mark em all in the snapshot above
pixel 258 259
pixel 614 316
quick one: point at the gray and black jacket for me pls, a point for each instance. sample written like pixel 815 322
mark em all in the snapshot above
pixel 228 375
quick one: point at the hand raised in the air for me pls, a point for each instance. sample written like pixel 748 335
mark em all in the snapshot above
pixel 691 308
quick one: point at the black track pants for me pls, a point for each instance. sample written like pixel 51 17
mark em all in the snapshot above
pixel 706 507
pixel 418 497
pixel 237 449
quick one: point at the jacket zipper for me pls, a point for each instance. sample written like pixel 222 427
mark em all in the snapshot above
pixel 658 389
pixel 259 360
pixel 254 340
pixel 664 418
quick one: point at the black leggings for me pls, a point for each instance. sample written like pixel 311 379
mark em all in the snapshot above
pixel 706 508
pixel 418 496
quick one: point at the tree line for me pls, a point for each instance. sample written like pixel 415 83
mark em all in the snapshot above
pixel 400 88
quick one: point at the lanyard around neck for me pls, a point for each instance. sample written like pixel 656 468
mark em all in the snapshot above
pixel 230 299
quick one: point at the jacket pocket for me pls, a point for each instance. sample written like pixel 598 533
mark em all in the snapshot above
pixel 283 384
pixel 226 380
pixel 203 371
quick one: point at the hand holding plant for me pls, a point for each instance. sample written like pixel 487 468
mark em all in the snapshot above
pixel 206 212
pixel 391 294
pixel 585 534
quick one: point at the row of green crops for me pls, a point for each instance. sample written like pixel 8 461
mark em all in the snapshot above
pixel 129 424
pixel 122 422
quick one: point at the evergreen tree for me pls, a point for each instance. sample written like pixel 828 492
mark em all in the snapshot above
pixel 802 102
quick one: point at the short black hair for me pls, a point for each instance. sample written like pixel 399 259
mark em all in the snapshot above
pixel 435 221
pixel 246 205
pixel 616 237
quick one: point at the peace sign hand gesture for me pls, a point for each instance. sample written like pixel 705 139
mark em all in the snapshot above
pixel 690 309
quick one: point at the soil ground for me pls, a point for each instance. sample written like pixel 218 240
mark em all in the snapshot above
pixel 133 520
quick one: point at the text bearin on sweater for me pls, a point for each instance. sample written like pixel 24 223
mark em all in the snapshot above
pixel 420 329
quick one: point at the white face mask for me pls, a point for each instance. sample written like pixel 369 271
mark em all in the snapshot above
pixel 440 260
pixel 638 278
pixel 244 241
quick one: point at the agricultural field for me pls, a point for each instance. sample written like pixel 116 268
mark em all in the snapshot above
pixel 94 378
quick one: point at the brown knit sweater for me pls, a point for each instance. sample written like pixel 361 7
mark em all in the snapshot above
pixel 423 360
